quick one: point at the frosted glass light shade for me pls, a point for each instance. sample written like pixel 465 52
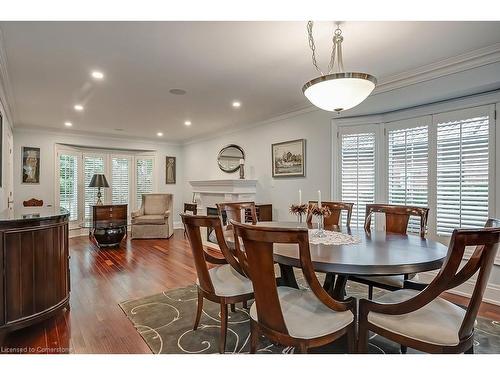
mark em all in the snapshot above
pixel 340 91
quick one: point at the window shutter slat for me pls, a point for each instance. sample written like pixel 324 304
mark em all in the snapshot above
pixel 358 174
pixel 462 173
pixel 144 178
pixel 91 165
pixel 68 184
pixel 408 169
pixel 120 174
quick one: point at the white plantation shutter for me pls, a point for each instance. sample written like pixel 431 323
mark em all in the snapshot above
pixel 144 178
pixel 407 159
pixel 68 184
pixel 120 179
pixel 358 173
pixel 91 164
pixel 462 169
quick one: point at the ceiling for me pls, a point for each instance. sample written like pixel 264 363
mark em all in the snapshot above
pixel 261 64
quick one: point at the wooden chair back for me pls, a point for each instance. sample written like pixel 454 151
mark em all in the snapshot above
pixel 452 275
pixel 234 211
pixel 192 225
pixel 397 217
pixel 33 202
pixel 336 209
pixel 258 263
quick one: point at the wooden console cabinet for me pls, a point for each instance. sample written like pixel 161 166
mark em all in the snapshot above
pixel 35 280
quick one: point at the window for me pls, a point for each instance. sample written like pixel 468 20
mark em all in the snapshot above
pixel 144 178
pixel 408 168
pixel 120 179
pixel 91 164
pixel 358 173
pixel 462 170
pixel 68 184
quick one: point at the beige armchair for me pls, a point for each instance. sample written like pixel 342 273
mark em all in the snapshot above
pixel 155 217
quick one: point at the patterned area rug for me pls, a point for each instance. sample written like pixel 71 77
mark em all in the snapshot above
pixel 165 322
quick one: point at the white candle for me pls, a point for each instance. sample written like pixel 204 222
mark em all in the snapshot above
pixel 300 197
pixel 319 198
pixel 242 161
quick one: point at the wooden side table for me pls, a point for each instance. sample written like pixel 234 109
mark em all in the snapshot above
pixel 108 226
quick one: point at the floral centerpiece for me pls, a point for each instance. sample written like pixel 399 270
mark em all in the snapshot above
pixel 320 212
pixel 298 210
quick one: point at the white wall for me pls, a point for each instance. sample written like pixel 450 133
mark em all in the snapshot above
pixel 46 141
pixel 200 160
pixel 7 128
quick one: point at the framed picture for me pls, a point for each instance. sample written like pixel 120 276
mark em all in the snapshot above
pixel 31 165
pixel 289 158
pixel 170 170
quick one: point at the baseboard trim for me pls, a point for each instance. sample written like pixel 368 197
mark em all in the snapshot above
pixel 491 294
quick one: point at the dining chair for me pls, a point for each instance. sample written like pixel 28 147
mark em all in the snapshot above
pixel 288 316
pixel 224 284
pixel 396 221
pixel 234 211
pixel 424 321
pixel 333 220
pixel 336 209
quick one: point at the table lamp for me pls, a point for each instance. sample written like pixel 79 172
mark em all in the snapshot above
pixel 99 181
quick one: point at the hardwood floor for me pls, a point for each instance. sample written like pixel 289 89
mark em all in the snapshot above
pixel 100 279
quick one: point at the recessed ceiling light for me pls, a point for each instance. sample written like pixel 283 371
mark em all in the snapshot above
pixel 68 124
pixel 97 75
pixel 159 134
pixel 78 107
pixel 187 123
pixel 236 104
pixel 177 91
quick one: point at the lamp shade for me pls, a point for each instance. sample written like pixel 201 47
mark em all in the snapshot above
pixel 339 91
pixel 98 180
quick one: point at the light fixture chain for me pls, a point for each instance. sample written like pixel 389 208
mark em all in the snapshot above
pixel 336 49
pixel 312 45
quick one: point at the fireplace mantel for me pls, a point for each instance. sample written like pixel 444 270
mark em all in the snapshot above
pixel 224 186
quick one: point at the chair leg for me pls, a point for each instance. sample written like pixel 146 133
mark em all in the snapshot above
pixel 254 337
pixel 404 349
pixel 245 305
pixel 351 339
pixel 199 310
pixel 470 350
pixel 233 308
pixel 370 292
pixel 302 348
pixel 223 328
pixel 362 338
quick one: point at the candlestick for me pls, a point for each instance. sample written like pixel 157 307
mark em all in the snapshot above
pixel 319 198
pixel 300 197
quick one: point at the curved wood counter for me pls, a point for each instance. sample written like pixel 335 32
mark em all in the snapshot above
pixel 34 282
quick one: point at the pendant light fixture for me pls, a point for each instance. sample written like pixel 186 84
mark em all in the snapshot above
pixel 337 90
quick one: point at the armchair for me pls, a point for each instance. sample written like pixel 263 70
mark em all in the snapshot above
pixel 154 219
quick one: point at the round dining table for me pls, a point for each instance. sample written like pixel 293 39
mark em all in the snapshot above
pixel 376 253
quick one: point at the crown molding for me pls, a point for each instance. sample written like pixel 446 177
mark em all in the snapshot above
pixel 6 94
pixel 96 135
pixel 465 61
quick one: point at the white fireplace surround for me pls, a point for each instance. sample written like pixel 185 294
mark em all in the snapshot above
pixel 207 193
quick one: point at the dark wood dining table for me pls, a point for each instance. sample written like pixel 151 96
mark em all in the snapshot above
pixel 376 254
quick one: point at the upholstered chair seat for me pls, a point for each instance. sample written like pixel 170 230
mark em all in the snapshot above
pixel 436 323
pixel 154 219
pixel 228 282
pixel 306 316
pixel 150 219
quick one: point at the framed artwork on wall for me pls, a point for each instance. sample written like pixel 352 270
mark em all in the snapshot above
pixel 31 165
pixel 289 158
pixel 170 170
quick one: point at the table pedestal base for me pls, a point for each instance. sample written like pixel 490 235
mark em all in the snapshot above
pixel 106 237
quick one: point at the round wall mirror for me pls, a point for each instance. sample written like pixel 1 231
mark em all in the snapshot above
pixel 229 158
